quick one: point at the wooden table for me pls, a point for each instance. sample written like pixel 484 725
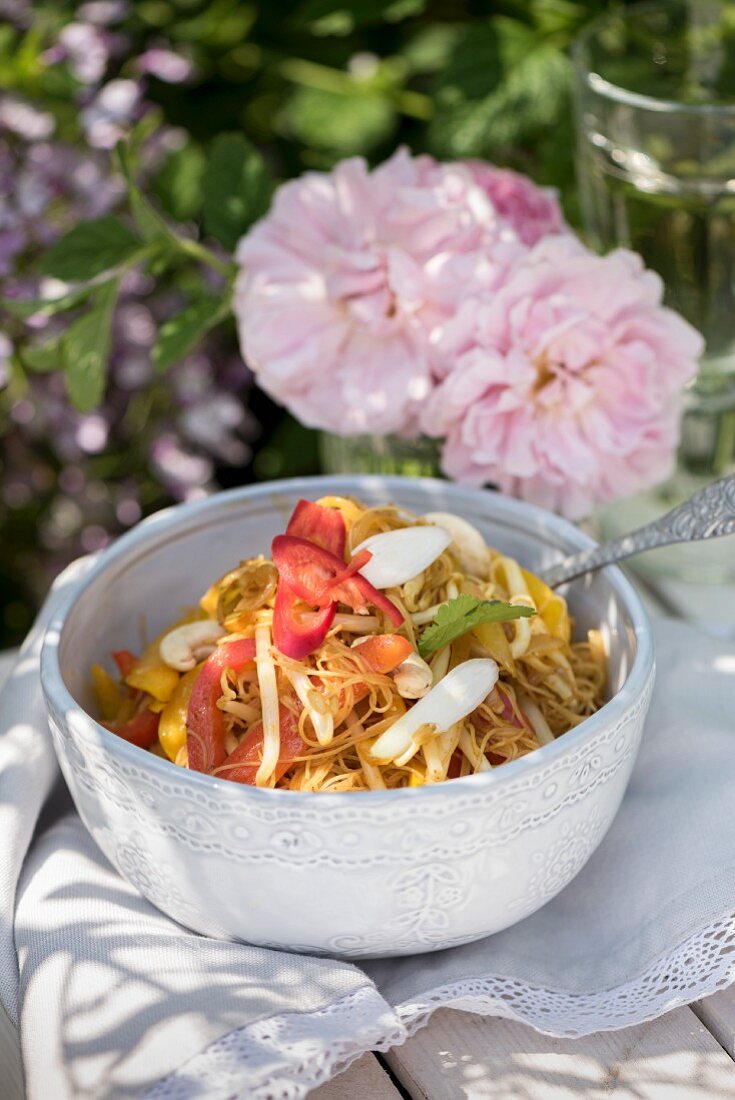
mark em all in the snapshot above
pixel 687 1055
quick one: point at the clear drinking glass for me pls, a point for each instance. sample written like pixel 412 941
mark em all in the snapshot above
pixel 655 114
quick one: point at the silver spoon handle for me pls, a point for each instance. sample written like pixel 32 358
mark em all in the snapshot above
pixel 709 513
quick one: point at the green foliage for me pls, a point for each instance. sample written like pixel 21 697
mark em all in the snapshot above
pixel 89 249
pixel 502 87
pixel 276 92
pixel 86 346
pixel 326 120
pixel 178 186
pixel 237 188
pixel 184 331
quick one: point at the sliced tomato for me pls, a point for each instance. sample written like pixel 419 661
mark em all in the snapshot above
pixel 318 577
pixel 324 527
pixel 242 764
pixel 298 634
pixel 124 660
pixel 205 723
pixel 142 730
pixel 384 652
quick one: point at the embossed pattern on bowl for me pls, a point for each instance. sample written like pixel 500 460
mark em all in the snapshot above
pixel 368 873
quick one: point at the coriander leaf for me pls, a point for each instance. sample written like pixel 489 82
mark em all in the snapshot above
pixel 182 332
pixel 457 616
pixel 237 188
pixel 89 249
pixel 86 347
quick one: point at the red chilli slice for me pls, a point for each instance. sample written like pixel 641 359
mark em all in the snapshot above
pixel 294 634
pixel 205 723
pixel 242 764
pixel 317 577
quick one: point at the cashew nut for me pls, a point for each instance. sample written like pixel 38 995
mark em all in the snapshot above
pixel 183 647
pixel 413 677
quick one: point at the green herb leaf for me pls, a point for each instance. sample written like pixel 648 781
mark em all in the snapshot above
pixel 178 185
pixel 149 222
pixel 29 307
pixel 237 188
pixel 457 616
pixel 42 358
pixel 89 249
pixel 181 333
pixel 86 348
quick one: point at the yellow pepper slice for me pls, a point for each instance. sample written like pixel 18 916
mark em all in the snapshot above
pixel 150 673
pixel 492 637
pixel 107 693
pixel 172 725
pixel 350 511
pixel 209 600
pixel 551 608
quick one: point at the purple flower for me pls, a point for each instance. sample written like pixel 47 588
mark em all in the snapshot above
pixel 165 65
pixel 86 48
pixel 111 111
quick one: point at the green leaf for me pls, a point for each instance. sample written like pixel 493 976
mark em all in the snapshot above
pixel 502 87
pixel 42 358
pixel 29 307
pixel 237 188
pixel 86 349
pixel 342 17
pixel 89 249
pixel 178 185
pixel 457 616
pixel 346 124
pixel 146 217
pixel 181 333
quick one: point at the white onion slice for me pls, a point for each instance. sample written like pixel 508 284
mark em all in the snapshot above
pixel 449 701
pixel 471 546
pixel 399 556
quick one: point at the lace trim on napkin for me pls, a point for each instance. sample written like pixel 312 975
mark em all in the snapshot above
pixel 696 968
pixel 284 1057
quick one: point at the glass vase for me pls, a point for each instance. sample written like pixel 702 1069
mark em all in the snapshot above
pixel 655 121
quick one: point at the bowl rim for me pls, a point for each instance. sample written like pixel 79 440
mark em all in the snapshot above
pixel 57 694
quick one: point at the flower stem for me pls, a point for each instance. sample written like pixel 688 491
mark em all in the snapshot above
pixel 198 251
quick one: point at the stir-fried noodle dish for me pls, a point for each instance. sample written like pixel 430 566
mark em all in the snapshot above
pixel 372 649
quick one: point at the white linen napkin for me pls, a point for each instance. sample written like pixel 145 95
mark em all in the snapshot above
pixel 115 1000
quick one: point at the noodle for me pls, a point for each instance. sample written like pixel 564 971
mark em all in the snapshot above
pixel 339 704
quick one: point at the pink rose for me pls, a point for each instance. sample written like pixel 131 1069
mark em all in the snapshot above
pixel 565 387
pixel 346 278
pixel 532 211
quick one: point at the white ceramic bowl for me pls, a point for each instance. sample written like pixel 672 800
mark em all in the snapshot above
pixel 352 874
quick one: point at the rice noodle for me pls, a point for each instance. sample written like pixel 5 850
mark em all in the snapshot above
pixel 269 700
pixel 341 705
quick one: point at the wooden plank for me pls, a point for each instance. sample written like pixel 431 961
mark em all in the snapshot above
pixel 364 1080
pixel 717 1013
pixel 460 1056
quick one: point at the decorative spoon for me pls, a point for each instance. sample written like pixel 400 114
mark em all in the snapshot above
pixel 709 513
